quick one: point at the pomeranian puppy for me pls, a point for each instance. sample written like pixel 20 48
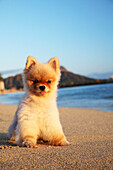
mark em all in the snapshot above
pixel 37 116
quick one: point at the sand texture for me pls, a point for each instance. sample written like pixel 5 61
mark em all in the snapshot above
pixel 90 133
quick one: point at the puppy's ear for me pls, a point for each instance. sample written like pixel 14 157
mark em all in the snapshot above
pixel 30 62
pixel 54 63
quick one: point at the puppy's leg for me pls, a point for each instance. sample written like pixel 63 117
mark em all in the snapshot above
pixel 12 127
pixel 55 135
pixel 58 139
pixel 27 133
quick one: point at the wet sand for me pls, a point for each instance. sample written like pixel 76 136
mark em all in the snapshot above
pixel 90 133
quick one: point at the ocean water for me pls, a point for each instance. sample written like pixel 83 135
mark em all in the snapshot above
pixel 94 96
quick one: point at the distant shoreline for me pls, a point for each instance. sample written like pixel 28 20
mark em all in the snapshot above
pixel 87 84
pixel 14 90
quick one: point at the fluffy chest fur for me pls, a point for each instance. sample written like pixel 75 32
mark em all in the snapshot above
pixel 42 112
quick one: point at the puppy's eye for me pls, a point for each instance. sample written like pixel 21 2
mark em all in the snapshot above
pixel 49 81
pixel 35 81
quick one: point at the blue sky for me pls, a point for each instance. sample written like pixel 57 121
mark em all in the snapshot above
pixel 79 32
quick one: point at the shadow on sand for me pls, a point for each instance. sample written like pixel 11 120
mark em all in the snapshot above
pixel 4 140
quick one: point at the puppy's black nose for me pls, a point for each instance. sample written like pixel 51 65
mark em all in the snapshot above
pixel 42 88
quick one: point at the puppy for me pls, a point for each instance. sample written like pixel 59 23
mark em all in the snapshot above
pixel 37 116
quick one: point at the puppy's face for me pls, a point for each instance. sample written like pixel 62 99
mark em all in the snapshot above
pixel 41 79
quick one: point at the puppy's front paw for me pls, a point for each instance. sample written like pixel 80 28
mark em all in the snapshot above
pixel 59 142
pixel 28 144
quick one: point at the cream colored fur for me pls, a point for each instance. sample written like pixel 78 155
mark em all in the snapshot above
pixel 37 116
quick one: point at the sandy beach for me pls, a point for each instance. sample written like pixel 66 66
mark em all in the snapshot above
pixel 90 133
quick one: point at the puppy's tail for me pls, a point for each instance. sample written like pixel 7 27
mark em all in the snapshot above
pixel 12 128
